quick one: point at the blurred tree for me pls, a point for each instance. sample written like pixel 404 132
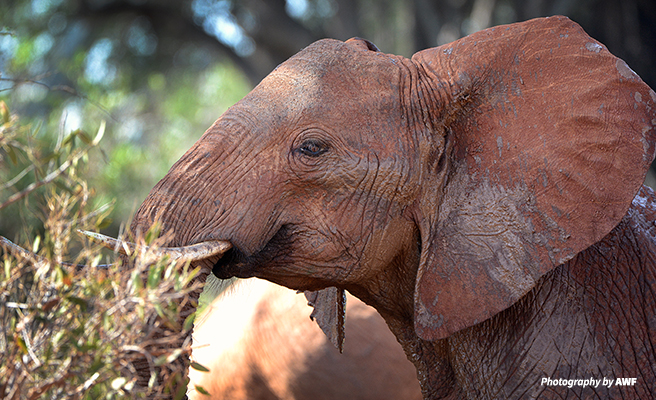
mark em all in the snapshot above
pixel 257 35
pixel 65 71
pixel 160 71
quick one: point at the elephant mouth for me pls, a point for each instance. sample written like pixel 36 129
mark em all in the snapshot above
pixel 231 264
pixel 232 261
pixel 237 263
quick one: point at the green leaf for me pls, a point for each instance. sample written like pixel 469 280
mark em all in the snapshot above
pixel 180 393
pixel 136 280
pixel 78 301
pixel 57 338
pixel 61 185
pixel 188 277
pixel 158 308
pixel 199 367
pixel 202 390
pixel 153 233
pixel 84 137
pixel 104 223
pixel 154 276
pixel 189 322
pixel 21 344
pixel 12 155
pixel 47 157
pixel 168 358
pixel 69 138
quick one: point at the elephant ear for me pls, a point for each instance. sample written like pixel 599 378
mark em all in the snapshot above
pixel 548 138
pixel 362 44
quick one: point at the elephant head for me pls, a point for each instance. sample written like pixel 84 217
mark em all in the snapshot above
pixel 438 189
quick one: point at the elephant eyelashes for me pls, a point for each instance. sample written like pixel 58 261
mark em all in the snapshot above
pixel 312 148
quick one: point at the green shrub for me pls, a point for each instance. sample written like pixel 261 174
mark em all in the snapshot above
pixel 77 331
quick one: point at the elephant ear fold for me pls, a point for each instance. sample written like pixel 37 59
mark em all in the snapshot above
pixel 548 138
pixel 362 44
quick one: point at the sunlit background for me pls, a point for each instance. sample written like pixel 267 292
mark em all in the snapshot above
pixel 161 71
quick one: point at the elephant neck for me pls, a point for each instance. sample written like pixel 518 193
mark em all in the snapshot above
pixel 577 321
pixel 391 293
pixel 431 359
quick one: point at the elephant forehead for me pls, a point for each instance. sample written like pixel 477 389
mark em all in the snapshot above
pixel 287 101
pixel 350 95
pixel 331 71
pixel 285 89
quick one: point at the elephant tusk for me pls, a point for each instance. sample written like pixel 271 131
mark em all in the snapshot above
pixel 194 252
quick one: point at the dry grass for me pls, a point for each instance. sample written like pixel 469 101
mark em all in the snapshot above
pixel 81 332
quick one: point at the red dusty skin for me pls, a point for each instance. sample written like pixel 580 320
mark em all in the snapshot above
pixel 481 196
pixel 592 317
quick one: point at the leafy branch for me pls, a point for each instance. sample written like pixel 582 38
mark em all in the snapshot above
pixel 71 160
pixel 82 332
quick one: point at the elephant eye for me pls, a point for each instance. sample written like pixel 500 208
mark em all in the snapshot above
pixel 312 148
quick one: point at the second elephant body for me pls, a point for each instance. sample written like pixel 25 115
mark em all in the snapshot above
pixel 260 344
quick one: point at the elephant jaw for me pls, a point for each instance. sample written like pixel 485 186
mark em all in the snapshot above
pixel 328 303
pixel 231 265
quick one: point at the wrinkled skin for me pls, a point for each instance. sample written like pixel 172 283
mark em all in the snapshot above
pixel 593 316
pixel 480 196
pixel 259 343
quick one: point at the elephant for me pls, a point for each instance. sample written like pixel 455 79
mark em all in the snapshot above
pixel 258 343
pixel 484 196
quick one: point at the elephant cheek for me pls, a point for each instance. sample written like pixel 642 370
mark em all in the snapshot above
pixel 386 243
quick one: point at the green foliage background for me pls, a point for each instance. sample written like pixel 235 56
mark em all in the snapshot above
pixel 154 108
pixel 80 332
pixel 61 80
